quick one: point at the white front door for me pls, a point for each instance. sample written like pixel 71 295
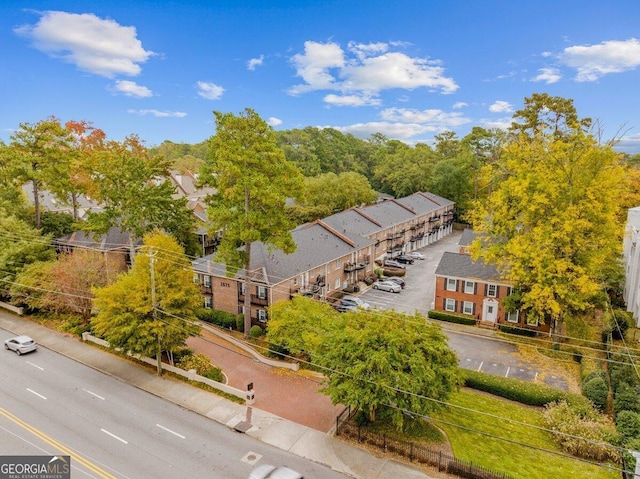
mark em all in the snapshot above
pixel 489 310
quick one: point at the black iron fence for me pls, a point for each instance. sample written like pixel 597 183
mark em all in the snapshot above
pixel 414 452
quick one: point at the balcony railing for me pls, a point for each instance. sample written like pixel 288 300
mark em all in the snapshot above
pixel 349 267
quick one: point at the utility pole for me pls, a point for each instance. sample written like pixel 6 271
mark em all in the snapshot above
pixel 154 311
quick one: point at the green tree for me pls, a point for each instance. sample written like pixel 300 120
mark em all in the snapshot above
pixel 20 245
pixel 136 195
pixel 338 192
pixel 252 181
pixel 39 155
pixel 551 225
pixel 402 170
pixel 300 325
pixel 389 363
pixel 152 308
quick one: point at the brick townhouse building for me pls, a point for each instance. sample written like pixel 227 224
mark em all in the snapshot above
pixel 475 289
pixel 333 254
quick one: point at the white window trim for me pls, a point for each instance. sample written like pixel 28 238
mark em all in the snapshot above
pixel 208 303
pixel 207 281
pixel 262 315
pixel 495 290
pixel 466 287
pixel 449 282
pixel 261 292
pixel 464 307
pixel 450 304
pixel 512 313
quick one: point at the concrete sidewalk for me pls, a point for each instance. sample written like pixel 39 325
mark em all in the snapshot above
pixel 268 428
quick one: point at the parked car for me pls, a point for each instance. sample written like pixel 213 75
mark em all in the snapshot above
pixel 345 308
pixel 267 471
pixel 416 255
pixel 397 280
pixel 354 301
pixel 20 344
pixel 389 286
pixel 391 263
pixel 404 259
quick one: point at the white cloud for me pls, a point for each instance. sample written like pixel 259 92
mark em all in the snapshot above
pixel 273 121
pixel 93 44
pixel 210 91
pixel 501 124
pixel 501 107
pixel 370 69
pixel 131 88
pixel 255 62
pixel 313 66
pixel 460 104
pixel 400 131
pixel 594 61
pixel 362 50
pixel 438 118
pixel 351 100
pixel 548 75
pixel 159 114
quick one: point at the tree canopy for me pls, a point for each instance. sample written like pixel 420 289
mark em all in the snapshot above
pixel 252 181
pixel 152 308
pixel 551 224
pixel 136 195
pixel 388 363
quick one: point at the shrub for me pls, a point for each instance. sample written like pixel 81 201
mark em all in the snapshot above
pixel 518 331
pixel 219 318
pixel 629 462
pixel 240 323
pixel 626 399
pixel 628 424
pixel 622 374
pixel 451 318
pixel 596 390
pixel 200 362
pixel 583 433
pixel 514 389
pixel 256 331
pixel 213 373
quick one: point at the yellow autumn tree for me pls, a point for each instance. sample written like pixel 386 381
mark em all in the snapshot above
pixel 552 224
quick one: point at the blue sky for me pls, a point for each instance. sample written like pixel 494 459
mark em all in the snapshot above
pixel 407 69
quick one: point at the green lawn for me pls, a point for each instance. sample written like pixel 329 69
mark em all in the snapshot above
pixel 519 461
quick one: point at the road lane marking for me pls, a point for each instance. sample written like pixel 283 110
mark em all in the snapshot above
pixel 58 445
pixel 35 365
pixel 37 394
pixel 172 432
pixel 114 436
pixel 507 374
pixel 93 394
pixel 480 367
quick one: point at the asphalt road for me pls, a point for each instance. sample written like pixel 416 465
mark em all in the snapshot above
pixel 50 404
pixel 480 353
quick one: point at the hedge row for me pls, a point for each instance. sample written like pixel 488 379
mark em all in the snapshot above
pixel 530 333
pixel 451 318
pixel 221 318
pixel 523 392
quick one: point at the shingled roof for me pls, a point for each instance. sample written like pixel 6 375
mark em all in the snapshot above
pixel 458 265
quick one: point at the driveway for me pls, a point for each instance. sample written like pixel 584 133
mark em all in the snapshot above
pixel 476 349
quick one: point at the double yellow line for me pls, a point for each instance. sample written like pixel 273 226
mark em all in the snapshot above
pixel 61 447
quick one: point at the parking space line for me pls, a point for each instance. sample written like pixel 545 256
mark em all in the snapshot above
pixel 480 367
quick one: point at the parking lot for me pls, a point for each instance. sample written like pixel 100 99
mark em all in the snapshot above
pixel 476 352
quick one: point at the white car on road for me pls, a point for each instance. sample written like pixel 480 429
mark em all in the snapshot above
pixel 20 344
